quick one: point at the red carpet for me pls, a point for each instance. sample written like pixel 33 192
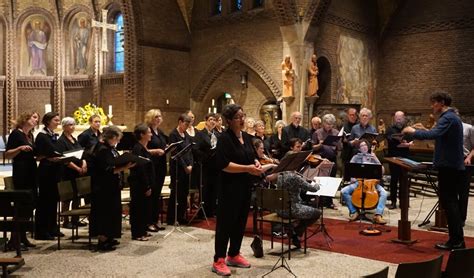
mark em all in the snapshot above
pixel 347 240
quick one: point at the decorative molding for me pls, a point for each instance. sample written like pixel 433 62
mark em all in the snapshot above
pixel 222 63
pixel 73 82
pixel 2 82
pixel 112 79
pixel 33 83
pixel 346 23
pixel 434 26
pixel 318 15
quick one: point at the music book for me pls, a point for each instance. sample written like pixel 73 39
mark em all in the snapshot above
pixel 400 137
pixel 332 140
pixel 342 133
pixel 292 162
pixel 373 136
pixel 171 147
pixel 328 186
pixel 70 156
pixel 128 157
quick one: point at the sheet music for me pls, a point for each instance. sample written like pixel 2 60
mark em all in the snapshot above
pixel 77 154
pixel 327 186
pixel 341 132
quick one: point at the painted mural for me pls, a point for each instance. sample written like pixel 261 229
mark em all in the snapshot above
pixel 356 81
pixel 80 43
pixel 36 49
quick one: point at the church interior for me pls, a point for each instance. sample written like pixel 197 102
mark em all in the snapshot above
pixel 128 57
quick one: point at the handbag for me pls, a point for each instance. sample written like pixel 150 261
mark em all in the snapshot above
pixel 257 247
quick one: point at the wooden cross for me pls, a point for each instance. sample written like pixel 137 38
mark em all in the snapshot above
pixel 104 25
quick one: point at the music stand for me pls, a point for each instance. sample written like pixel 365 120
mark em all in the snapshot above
pixel 201 203
pixel 292 162
pixel 363 171
pixel 176 226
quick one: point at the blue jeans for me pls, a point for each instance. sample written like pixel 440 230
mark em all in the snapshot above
pixel 347 195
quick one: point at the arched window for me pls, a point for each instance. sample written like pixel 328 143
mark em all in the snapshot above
pixel 236 5
pixel 217 7
pixel 118 44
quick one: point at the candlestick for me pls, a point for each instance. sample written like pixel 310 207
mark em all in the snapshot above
pixel 209 110
pixel 215 110
pixel 110 109
pixel 212 102
pixel 167 102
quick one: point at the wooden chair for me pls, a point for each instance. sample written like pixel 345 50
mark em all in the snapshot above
pixel 272 200
pixel 427 269
pixel 66 193
pixel 460 264
pixel 379 274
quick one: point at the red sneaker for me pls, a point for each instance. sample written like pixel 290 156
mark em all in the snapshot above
pixel 220 268
pixel 238 261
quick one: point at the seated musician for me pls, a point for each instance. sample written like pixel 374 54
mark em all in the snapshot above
pixel 364 157
pixel 296 145
pixel 306 214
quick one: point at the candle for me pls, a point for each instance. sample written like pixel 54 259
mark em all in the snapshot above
pixel 212 102
pixel 167 101
pixel 215 110
pixel 209 110
pixel 47 108
pixel 110 109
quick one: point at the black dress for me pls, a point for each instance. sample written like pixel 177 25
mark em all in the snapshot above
pixel 183 179
pixel 141 179
pixel 49 174
pixel 233 193
pixel 158 141
pixel 106 207
pixel 87 138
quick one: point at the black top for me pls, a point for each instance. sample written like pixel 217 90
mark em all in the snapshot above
pixel 229 149
pixel 203 151
pixel 64 144
pixel 142 175
pixel 290 131
pixel 88 138
pixel 275 146
pixel 47 145
pixel 158 141
pixel 393 150
pixel 24 163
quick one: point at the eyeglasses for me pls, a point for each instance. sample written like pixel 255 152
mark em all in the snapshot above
pixel 239 117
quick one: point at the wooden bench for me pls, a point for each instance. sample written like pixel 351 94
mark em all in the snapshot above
pixel 5 262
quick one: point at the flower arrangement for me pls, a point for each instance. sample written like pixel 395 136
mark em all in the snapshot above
pixel 82 114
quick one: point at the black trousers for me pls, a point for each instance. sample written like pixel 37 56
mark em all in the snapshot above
pixel 464 195
pixel 451 185
pixel 232 213
pixel 395 172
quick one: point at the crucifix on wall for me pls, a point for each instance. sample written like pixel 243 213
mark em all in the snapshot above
pixel 104 25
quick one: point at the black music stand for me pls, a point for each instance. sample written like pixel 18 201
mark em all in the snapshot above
pixel 176 226
pixel 363 171
pixel 201 203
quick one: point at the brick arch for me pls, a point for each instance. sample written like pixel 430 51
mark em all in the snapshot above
pixel 222 63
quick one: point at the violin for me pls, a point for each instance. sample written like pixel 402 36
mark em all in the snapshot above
pixel 267 160
pixel 314 160
pixel 365 196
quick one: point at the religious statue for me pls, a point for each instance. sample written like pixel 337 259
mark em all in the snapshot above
pixel 381 127
pixel 288 76
pixel 80 41
pixel 313 72
pixel 37 35
pixel 268 122
pixel 431 121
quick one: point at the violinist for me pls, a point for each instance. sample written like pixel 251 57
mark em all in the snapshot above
pixel 365 157
pixel 262 157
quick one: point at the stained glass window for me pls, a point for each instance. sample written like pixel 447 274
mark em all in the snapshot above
pixel 118 46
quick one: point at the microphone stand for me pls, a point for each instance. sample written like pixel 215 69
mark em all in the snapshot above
pixel 176 226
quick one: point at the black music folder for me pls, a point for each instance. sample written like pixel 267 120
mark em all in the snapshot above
pixel 171 147
pixel 363 171
pixel 332 140
pixel 129 157
pixel 292 162
pixel 379 137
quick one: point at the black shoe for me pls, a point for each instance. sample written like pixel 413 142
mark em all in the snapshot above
pixel 450 246
pixel 113 242
pixel 56 234
pixel 105 246
pixel 296 241
pixel 392 206
pixel 159 228
pixel 44 237
pixel 12 246
pixel 81 224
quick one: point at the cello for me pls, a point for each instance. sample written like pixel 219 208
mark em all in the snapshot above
pixel 365 196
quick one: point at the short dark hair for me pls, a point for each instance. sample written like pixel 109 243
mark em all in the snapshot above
pixel 366 142
pixel 441 97
pixel 111 132
pixel 139 130
pixel 92 117
pixel 295 140
pixel 257 142
pixel 184 118
pixel 210 115
pixel 48 117
pixel 230 110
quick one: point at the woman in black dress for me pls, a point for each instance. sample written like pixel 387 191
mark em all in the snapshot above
pixel 141 179
pixel 72 170
pixel 182 166
pixel 49 173
pixel 236 159
pixel 106 207
pixel 156 147
pixel 20 148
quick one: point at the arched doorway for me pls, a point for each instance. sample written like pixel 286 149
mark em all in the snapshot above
pixel 324 80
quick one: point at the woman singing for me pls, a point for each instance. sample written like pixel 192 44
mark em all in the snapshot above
pixel 236 159
pixel 156 147
pixel 20 148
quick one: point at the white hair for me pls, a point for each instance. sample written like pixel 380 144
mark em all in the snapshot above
pixel 366 110
pixel 329 119
pixel 68 121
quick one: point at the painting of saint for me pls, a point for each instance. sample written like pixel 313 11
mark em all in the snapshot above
pixel 80 37
pixel 37 34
